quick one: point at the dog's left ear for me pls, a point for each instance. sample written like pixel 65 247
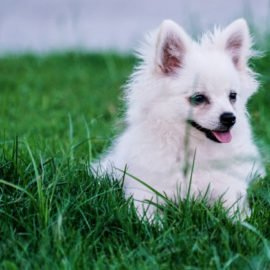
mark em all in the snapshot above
pixel 236 41
pixel 171 47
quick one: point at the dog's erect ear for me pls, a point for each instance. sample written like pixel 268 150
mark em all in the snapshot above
pixel 237 42
pixel 171 47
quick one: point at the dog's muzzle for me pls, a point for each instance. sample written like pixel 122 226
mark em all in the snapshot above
pixel 220 135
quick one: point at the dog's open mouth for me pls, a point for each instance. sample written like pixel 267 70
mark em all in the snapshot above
pixel 219 136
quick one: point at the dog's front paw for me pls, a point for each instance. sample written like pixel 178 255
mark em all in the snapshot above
pixel 238 207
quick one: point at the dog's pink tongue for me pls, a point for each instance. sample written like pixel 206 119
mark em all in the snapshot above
pixel 223 137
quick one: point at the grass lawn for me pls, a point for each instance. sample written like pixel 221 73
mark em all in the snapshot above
pixel 57 112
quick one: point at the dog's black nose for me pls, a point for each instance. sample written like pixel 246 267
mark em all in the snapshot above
pixel 227 119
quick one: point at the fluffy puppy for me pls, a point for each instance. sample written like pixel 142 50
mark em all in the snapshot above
pixel 186 97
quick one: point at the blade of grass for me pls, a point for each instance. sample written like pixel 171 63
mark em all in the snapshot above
pixel 71 136
pixel 4 182
pixel 158 194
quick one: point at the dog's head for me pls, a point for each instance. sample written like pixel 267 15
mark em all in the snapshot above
pixel 205 83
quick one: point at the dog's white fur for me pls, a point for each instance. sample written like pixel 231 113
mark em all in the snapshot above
pixel 158 143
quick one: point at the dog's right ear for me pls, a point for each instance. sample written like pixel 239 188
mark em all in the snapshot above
pixel 172 45
pixel 237 42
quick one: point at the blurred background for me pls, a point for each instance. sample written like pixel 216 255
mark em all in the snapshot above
pixel 47 25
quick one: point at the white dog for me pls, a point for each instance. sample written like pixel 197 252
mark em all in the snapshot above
pixel 188 97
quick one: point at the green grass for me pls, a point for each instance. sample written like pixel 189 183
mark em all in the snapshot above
pixel 56 113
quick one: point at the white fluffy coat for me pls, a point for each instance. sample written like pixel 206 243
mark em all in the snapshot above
pixel 158 144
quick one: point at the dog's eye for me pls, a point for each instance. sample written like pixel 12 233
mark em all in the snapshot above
pixel 232 96
pixel 198 99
